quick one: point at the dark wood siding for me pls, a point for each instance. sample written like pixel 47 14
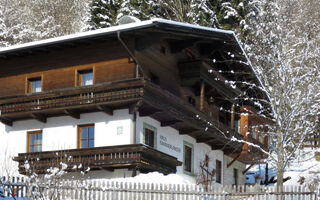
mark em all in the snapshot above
pixel 63 57
pixel 65 77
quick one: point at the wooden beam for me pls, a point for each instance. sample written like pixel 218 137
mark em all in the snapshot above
pixel 148 113
pixel 72 113
pixel 6 121
pixel 188 132
pixel 144 42
pixel 105 109
pixel 248 168
pixel 39 117
pixel 229 164
pixel 108 169
pixel 169 123
pixel 203 140
pixel 202 95
pixel 135 107
pixel 232 117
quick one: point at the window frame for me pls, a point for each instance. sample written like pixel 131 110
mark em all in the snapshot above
pixel 235 176
pixel 29 84
pixel 80 127
pixel 152 128
pixel 218 171
pixel 189 145
pixel 79 76
pixel 29 134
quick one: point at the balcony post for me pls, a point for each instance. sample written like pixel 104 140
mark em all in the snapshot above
pixel 202 96
pixel 244 125
pixel 232 117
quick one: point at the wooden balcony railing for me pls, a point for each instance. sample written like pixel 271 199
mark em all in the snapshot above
pixel 136 94
pixel 58 101
pixel 135 156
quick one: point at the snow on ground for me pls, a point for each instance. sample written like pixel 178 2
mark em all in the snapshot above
pixel 304 171
pixel 156 177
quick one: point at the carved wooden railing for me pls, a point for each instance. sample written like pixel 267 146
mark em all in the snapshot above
pixel 136 156
pixel 68 97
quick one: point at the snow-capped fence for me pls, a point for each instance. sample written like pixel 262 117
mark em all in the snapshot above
pixel 13 186
pixel 120 190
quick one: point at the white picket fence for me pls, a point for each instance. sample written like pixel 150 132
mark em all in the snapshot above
pixel 113 190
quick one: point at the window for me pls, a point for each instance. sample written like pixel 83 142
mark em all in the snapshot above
pixel 85 77
pixel 35 141
pixel 218 171
pixel 235 176
pixel 187 158
pixel 86 136
pixel 236 126
pixel 154 79
pixel 34 85
pixel 149 135
pixel 191 101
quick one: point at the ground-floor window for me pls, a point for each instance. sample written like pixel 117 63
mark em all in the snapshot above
pixel 218 171
pixel 235 176
pixel 188 158
pixel 35 141
pixel 149 135
pixel 86 136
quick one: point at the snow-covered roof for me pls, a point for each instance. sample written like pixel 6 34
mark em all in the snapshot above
pixel 110 30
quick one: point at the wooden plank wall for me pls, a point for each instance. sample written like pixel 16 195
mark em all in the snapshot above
pixel 64 57
pixel 66 77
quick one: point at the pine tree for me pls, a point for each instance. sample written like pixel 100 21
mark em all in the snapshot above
pixel 140 9
pixel 229 13
pixel 225 14
pixel 104 13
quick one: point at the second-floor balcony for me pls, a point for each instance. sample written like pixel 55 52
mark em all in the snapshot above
pixel 139 95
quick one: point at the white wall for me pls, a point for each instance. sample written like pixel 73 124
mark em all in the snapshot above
pixel 61 132
pixel 171 136
pixel 228 172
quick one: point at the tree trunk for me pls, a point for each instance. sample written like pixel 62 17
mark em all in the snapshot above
pixel 280 163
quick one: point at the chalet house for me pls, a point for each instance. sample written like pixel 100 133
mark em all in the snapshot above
pixel 148 96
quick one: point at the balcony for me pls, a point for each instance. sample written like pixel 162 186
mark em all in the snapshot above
pixel 138 95
pixel 70 101
pixel 135 157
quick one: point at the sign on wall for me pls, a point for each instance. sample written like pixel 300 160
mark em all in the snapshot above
pixel 164 142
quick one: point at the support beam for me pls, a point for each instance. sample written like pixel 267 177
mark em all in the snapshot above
pixel 202 96
pixel 203 140
pixel 108 169
pixel 229 164
pixel 188 131
pixel 169 123
pixel 105 109
pixel 248 168
pixel 6 121
pixel 72 113
pixel 39 117
pixel 232 117
pixel 148 113
pixel 135 107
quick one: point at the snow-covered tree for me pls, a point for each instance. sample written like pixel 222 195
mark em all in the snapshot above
pixel 284 50
pixel 29 20
pixel 104 13
pixel 219 14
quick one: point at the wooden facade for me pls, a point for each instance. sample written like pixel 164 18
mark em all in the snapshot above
pixel 171 78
